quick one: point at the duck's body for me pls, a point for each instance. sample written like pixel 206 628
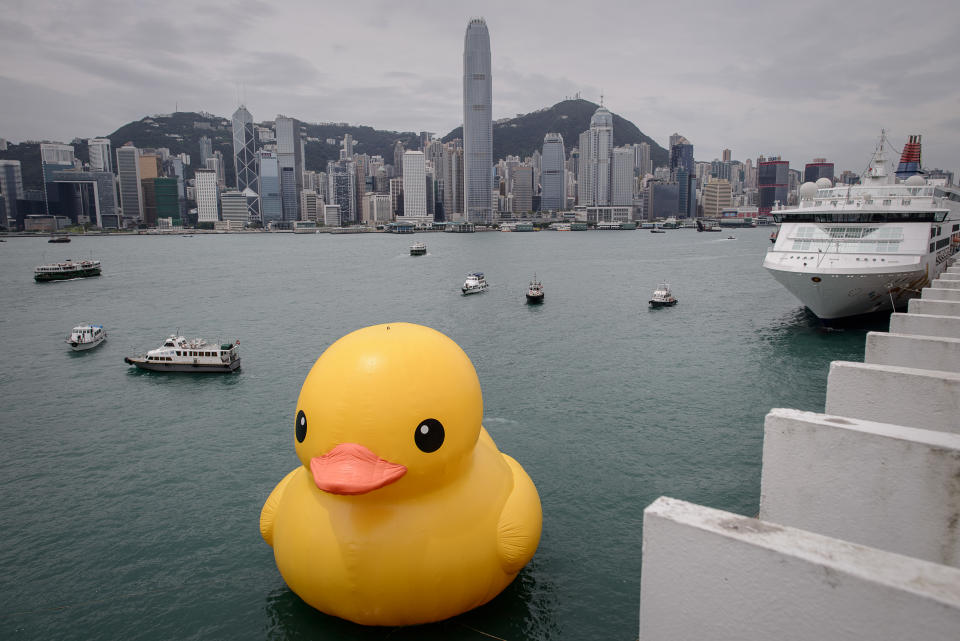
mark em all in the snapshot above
pixel 443 531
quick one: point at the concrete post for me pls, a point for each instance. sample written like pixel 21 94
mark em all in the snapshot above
pixel 940 308
pixel 921 352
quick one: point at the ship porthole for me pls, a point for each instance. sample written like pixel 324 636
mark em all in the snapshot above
pixel 815 279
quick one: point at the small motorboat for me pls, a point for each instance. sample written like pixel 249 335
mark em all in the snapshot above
pixel 662 297
pixel 731 237
pixel 474 284
pixel 535 291
pixel 657 230
pixel 418 249
pixel 59 238
pixel 83 337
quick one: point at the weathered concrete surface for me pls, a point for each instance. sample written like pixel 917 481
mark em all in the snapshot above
pixel 945 284
pixel 939 308
pixel 887 486
pixel 899 395
pixel 940 293
pixel 925 325
pixel 908 350
pixel 709 574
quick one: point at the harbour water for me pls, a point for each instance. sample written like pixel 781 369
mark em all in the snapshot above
pixel 131 499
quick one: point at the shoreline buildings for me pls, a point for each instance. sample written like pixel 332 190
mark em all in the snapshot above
pixel 477 123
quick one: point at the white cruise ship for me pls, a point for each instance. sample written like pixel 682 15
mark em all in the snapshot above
pixel 859 249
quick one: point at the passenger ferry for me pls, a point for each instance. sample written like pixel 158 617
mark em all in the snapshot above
pixel 474 284
pixel 84 337
pixel 418 249
pixel 859 249
pixel 177 354
pixel 66 270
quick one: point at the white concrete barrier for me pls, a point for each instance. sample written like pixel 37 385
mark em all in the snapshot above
pixel 940 308
pixel 887 486
pixel 951 274
pixel 901 395
pixel 940 293
pixel 925 325
pixel 907 350
pixel 945 284
pixel 709 574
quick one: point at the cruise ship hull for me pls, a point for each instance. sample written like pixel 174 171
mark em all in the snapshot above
pixel 832 296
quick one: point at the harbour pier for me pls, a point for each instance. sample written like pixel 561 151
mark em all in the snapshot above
pixel 858 534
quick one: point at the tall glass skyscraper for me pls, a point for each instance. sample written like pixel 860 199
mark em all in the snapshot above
pixel 244 150
pixel 553 179
pixel 477 123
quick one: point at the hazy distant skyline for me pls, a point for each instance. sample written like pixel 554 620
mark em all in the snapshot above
pixel 799 81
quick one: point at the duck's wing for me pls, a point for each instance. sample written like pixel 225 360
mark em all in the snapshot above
pixel 518 530
pixel 270 507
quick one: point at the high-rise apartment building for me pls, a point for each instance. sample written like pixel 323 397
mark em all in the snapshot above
pixel 131 190
pixel 553 179
pixel 205 183
pixel 244 151
pixel 291 166
pixel 477 123
pixel 271 203
pixel 101 158
pixel 622 177
pixel 727 155
pixel 415 188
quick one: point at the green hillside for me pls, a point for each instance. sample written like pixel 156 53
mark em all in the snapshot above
pixel 522 135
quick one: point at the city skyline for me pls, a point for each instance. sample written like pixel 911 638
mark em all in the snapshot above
pixel 817 81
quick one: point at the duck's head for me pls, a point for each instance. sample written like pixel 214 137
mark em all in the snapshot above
pixel 395 405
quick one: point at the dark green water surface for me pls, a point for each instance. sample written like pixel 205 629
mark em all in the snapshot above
pixel 131 501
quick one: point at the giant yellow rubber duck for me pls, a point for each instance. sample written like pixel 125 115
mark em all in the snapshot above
pixel 403 510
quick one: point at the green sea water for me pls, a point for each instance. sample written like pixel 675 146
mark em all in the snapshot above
pixel 131 500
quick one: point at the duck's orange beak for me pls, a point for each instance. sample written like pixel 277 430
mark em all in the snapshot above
pixel 351 468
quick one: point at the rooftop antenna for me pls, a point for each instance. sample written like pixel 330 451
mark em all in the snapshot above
pixel 601 97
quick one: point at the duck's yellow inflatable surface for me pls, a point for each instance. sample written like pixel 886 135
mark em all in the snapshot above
pixel 404 511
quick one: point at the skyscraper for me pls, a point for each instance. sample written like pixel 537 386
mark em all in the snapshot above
pixel 772 183
pixel 271 203
pixel 553 178
pixel 341 190
pixel 205 181
pixel 206 150
pixel 11 189
pixel 101 159
pixel 415 188
pixel 244 150
pixel 819 168
pixel 681 155
pixel 596 147
pixel 621 177
pixel 131 191
pixel 477 123
pixel 291 170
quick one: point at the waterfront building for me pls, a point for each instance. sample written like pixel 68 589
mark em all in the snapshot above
pixel 396 196
pixel 331 216
pixel 101 157
pixel 87 196
pixel 309 203
pixel 553 179
pixel 477 123
pixel 686 194
pixel 522 189
pixel 596 148
pixel 377 208
pixel 819 168
pixel 717 196
pixel 773 180
pixel 291 165
pixel 131 190
pixel 661 200
pixel 233 207
pixel 244 151
pixel 54 157
pixel 205 184
pixel 341 189
pixel 622 177
pixel 11 190
pixel 414 189
pixel 271 203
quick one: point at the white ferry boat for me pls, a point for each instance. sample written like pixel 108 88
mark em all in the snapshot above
pixel 474 284
pixel 418 249
pixel 177 354
pixel 66 270
pixel 83 337
pixel 859 249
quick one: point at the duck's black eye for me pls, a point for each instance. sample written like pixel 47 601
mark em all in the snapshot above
pixel 429 435
pixel 301 426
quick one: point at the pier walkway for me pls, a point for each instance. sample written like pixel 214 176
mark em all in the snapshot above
pixel 858 535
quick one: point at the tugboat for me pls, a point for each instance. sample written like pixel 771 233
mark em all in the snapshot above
pixel 474 284
pixel 418 249
pixel 177 354
pixel 66 270
pixel 535 291
pixel 84 337
pixel 662 297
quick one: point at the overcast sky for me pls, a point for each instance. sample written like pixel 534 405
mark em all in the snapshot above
pixel 797 79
